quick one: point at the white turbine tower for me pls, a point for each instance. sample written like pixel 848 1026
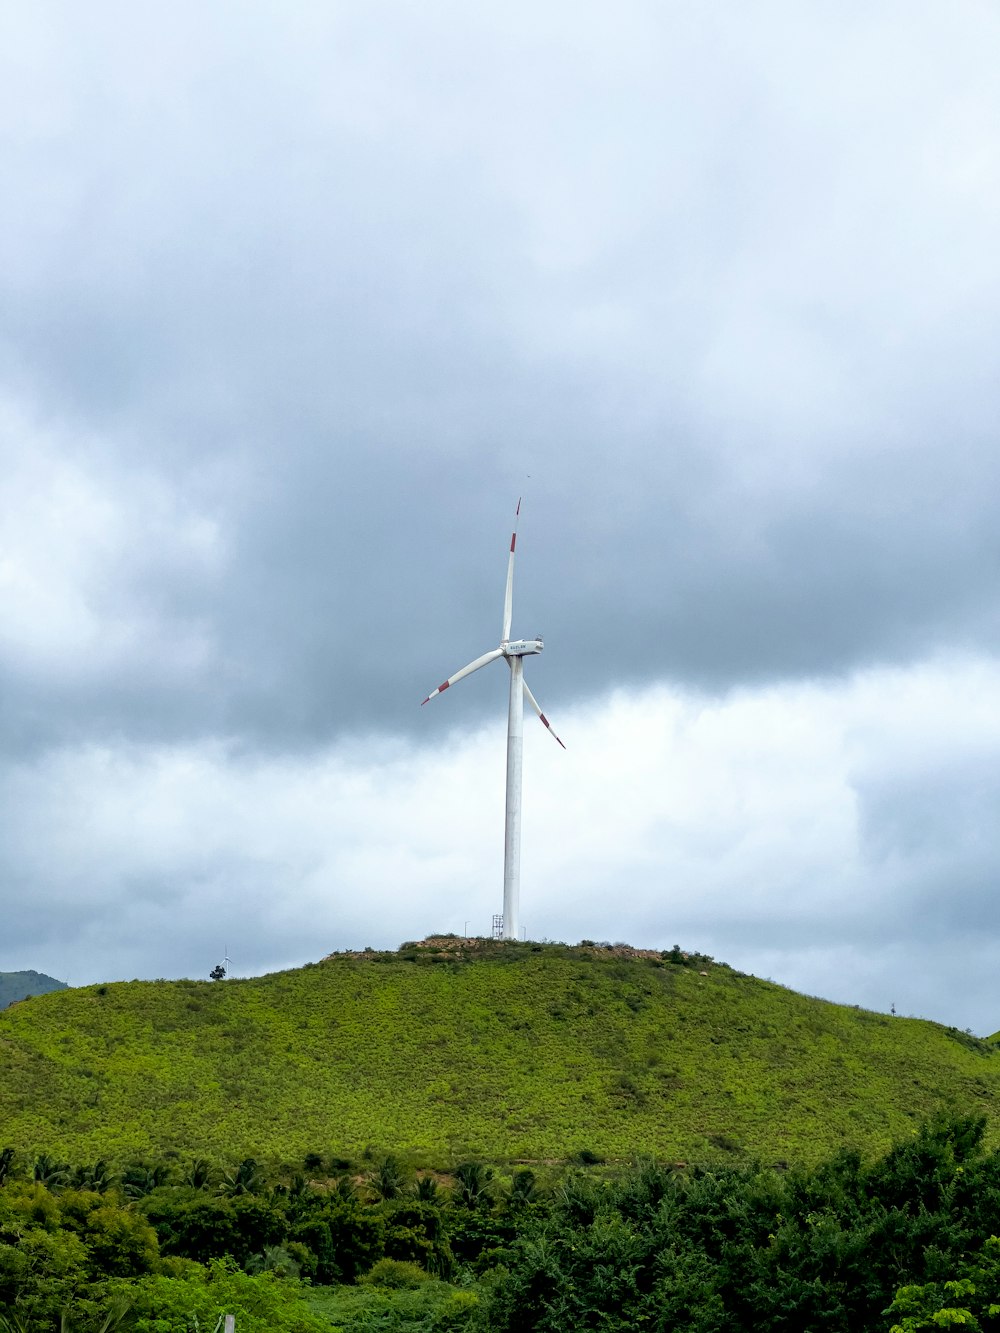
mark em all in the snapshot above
pixel 514 651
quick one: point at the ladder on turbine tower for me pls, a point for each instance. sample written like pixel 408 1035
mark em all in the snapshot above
pixel 498 925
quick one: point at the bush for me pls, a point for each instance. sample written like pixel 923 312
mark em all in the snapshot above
pixel 396 1273
pixel 262 1304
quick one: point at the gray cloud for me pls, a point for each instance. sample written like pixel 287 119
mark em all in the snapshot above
pixel 291 306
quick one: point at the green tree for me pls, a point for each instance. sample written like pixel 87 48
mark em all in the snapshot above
pixel 199 1174
pixel 248 1178
pixel 142 1178
pixel 204 1228
pixel 427 1190
pixel 97 1177
pixel 262 1303
pixel 970 1299
pixel 48 1172
pixel 345 1239
pixel 473 1186
pixel 389 1179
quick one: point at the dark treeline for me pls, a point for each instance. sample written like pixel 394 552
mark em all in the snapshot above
pixel 848 1245
pixel 831 1248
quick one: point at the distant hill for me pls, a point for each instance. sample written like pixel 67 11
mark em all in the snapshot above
pixel 19 985
pixel 505 1051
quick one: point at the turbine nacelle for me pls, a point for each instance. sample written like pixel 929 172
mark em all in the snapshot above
pixel 521 647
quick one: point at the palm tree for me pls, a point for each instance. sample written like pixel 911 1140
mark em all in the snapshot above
pixel 388 1180
pixel 248 1178
pixel 523 1189
pixel 141 1179
pixel 473 1184
pixel 199 1174
pixel 48 1172
pixel 427 1190
pixel 346 1189
pixel 98 1177
pixel 276 1260
pixel 300 1196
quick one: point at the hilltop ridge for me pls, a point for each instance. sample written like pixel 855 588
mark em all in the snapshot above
pixel 468 947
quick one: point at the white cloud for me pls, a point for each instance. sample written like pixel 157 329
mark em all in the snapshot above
pixel 736 826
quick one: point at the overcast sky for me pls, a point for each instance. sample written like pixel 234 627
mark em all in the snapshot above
pixel 295 301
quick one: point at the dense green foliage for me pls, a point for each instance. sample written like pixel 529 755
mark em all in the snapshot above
pixel 904 1242
pixel 156 1252
pixel 498 1052
pixel 970 1300
pixel 757 1250
pixel 414 1308
pixel 21 985
pixel 149 1246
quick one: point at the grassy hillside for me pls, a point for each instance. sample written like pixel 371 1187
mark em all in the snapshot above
pixel 508 1052
pixel 19 985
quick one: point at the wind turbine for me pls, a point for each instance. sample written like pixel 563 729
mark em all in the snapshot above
pixel 514 651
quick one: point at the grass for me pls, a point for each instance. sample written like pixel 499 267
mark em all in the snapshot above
pixel 510 1053
pixel 432 1305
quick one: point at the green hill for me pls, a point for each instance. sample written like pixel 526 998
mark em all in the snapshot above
pixel 21 985
pixel 503 1051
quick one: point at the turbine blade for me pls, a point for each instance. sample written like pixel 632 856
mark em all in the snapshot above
pixel 534 703
pixel 508 597
pixel 466 671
